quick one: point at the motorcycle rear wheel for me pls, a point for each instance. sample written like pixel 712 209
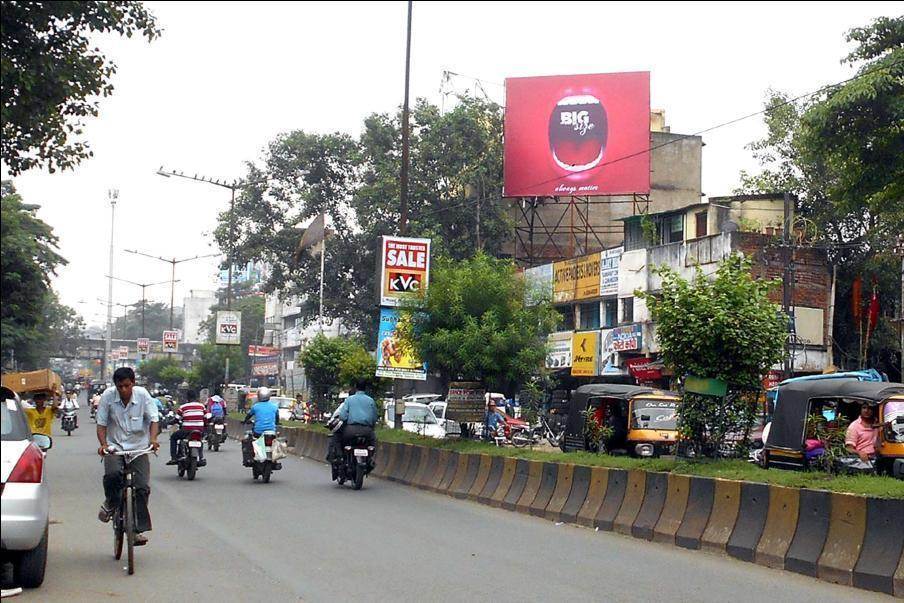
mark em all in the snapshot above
pixel 360 470
pixel 265 474
pixel 192 468
pixel 520 439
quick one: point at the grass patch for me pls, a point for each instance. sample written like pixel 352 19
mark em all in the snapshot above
pixel 866 485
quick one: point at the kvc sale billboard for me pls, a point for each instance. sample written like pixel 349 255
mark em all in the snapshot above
pixel 577 135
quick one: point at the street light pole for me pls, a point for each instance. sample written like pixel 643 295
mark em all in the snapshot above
pixel 403 179
pixel 143 297
pixel 113 196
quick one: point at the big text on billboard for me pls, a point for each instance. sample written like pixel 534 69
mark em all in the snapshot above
pixel 405 269
pixel 577 135
pixel 575 279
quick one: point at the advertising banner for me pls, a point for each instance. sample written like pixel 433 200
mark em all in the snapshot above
pixel 123 351
pixel 585 356
pixel 229 327
pixel 645 369
pixel 267 365
pixel 538 284
pixel 558 355
pixel 144 345
pixel 609 261
pixel 624 339
pixel 262 350
pixel 395 359
pixel 404 269
pixel 466 402
pixel 171 341
pixel 575 279
pixel 577 135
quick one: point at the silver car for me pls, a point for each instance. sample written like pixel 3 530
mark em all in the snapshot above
pixel 25 498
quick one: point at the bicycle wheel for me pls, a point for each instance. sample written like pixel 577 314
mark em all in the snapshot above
pixel 129 522
pixel 117 534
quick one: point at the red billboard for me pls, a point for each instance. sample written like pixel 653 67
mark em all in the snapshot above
pixel 577 135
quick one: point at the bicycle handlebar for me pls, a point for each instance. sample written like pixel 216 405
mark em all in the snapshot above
pixel 132 453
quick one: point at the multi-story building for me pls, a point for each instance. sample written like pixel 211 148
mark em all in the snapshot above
pixel 596 294
pixel 196 310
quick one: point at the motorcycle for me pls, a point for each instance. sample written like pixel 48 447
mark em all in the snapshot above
pixel 356 462
pixel 68 421
pixel 189 455
pixel 216 434
pixel 167 418
pixel 263 461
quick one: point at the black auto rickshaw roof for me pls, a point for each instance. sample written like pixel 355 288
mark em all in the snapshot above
pixel 793 404
pixel 615 390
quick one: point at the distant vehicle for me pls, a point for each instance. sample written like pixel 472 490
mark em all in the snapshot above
pixel 286 407
pixel 422 398
pixel 439 408
pixel 24 512
pixel 419 419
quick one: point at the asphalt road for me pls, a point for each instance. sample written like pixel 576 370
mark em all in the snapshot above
pixel 300 537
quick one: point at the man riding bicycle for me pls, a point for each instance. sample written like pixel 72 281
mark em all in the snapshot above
pixel 127 421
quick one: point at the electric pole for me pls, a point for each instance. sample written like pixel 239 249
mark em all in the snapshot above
pixel 112 196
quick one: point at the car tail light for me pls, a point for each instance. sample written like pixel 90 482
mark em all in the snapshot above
pixel 29 468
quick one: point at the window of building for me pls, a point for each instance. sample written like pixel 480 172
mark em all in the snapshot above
pixel 567 313
pixel 627 309
pixel 610 313
pixel 634 238
pixel 701 223
pixel 671 229
pixel 590 316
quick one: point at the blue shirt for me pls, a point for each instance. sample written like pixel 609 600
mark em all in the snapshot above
pixel 128 427
pixel 265 415
pixel 493 420
pixel 359 409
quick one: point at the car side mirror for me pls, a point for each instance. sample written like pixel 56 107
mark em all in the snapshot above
pixel 43 442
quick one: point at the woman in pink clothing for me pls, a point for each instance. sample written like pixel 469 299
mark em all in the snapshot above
pixel 863 434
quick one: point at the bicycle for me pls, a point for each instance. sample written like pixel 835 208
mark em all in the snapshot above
pixel 124 515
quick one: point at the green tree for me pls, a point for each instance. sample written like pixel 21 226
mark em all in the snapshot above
pixel 322 360
pixel 358 365
pixel 210 368
pixel 163 370
pixel 474 323
pixel 52 75
pixel 723 328
pixel 156 321
pixel 841 152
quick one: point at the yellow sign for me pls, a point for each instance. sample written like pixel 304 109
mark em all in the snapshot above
pixel 584 354
pixel 575 279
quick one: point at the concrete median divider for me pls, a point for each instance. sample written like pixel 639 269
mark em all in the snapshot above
pixel 847 527
pixel 597 484
pixel 724 514
pixel 630 507
pixel 548 479
pixel 810 533
pixel 841 538
pixel 561 492
pixel 485 496
pixel 781 524
pixel 883 545
pixel 483 473
pixel 655 490
pixel 673 510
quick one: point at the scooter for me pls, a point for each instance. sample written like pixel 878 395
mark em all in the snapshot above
pixel 188 455
pixel 68 421
pixel 262 462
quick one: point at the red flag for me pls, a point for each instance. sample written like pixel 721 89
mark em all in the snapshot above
pixel 873 312
pixel 856 298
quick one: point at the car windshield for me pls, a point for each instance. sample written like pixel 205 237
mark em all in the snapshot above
pixel 12 423
pixel 283 402
pixel 655 414
pixel 418 414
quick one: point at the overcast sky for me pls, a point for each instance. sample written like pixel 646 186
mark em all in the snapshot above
pixel 225 78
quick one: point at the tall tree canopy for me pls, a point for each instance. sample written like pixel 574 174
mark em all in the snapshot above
pixel 456 159
pixel 842 153
pixel 51 75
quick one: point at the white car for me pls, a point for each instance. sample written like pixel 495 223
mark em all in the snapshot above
pixel 453 428
pixel 24 496
pixel 286 407
pixel 419 419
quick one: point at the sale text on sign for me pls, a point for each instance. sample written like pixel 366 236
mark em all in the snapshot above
pixel 405 269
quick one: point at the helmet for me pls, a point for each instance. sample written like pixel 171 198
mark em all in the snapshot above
pixel 263 394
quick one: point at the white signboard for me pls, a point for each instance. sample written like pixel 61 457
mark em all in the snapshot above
pixel 558 355
pixel 404 269
pixel 171 341
pixel 609 260
pixel 144 345
pixel 229 327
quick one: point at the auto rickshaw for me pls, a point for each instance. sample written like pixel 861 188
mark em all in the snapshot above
pixel 649 417
pixel 785 444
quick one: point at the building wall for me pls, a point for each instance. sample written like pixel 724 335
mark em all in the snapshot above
pixel 197 309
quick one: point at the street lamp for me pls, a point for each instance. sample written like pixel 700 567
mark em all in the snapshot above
pixel 172 280
pixel 113 197
pixel 143 298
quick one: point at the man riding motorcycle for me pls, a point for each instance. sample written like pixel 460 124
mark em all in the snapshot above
pixel 358 415
pixel 193 419
pixel 266 417
pixel 70 403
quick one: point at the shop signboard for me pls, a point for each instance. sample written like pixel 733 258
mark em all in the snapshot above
pixel 576 279
pixel 395 358
pixel 404 269
pixel 585 354
pixel 262 350
pixel 624 339
pixel 264 366
pixel 466 402
pixel 171 341
pixel 144 345
pixel 645 369
pixel 609 261
pixel 229 327
pixel 558 355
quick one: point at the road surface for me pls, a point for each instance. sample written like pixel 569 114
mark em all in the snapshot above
pixel 300 537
